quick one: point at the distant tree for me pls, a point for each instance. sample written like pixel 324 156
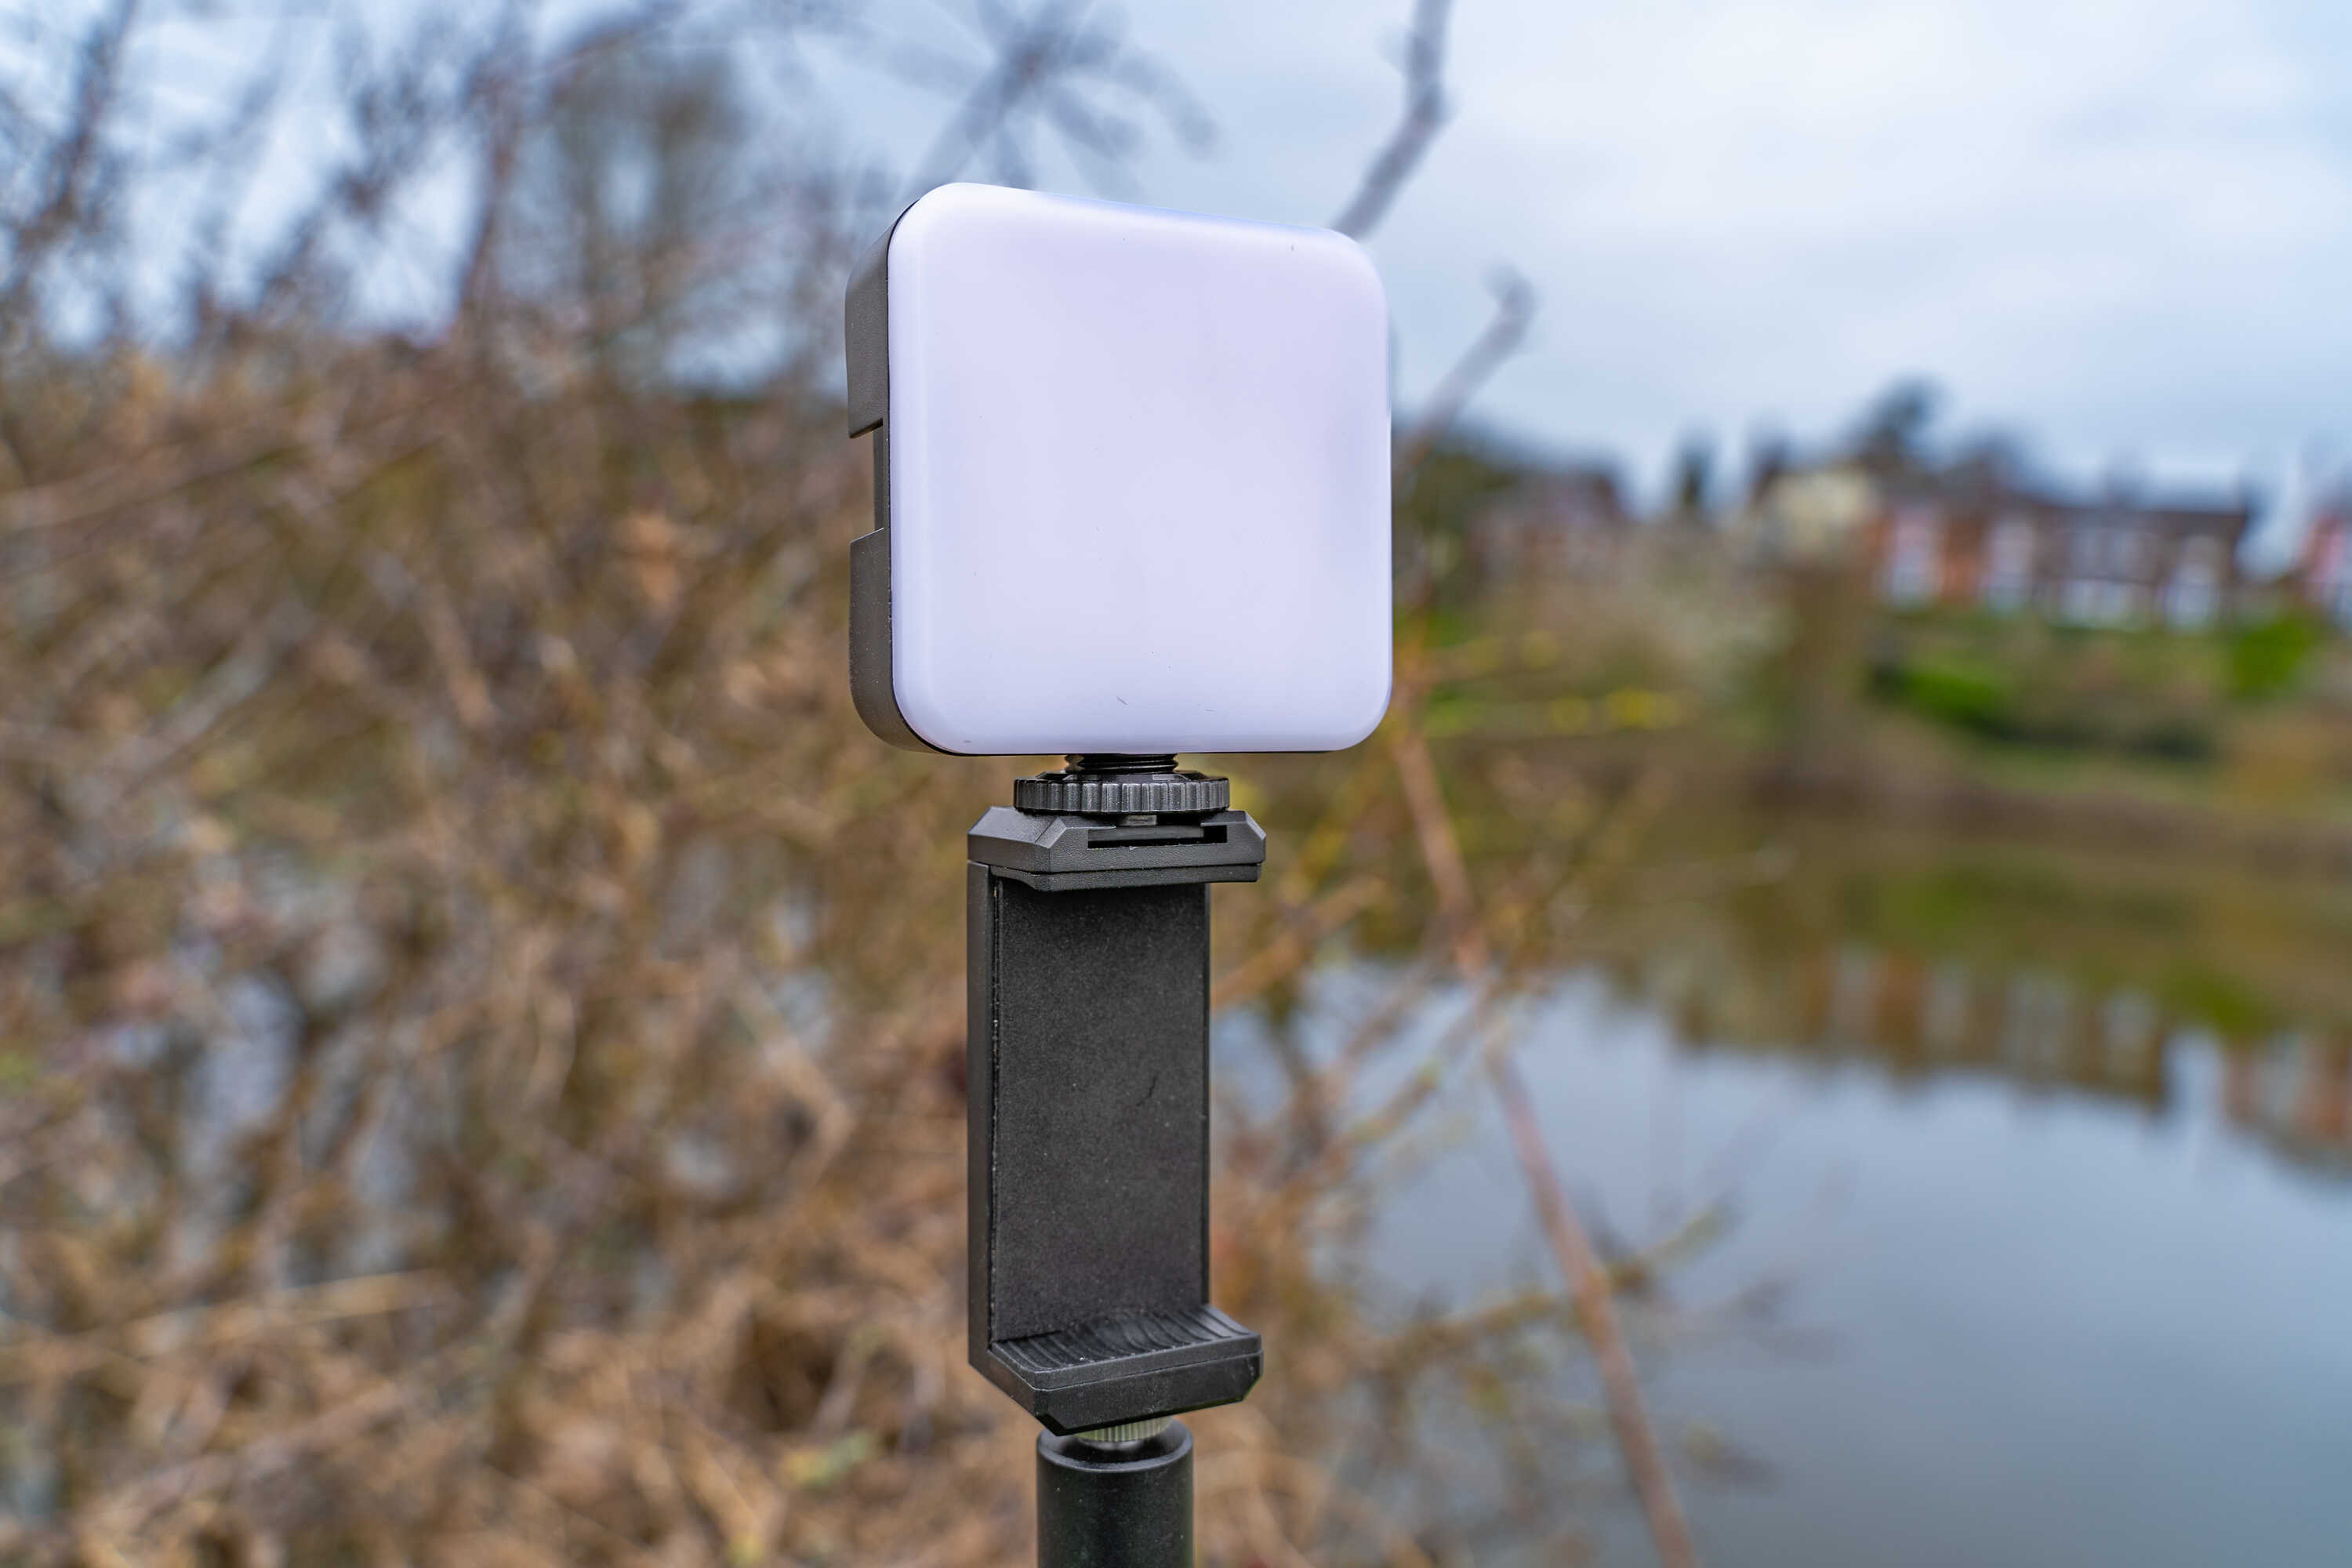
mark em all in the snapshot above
pixel 1694 479
pixel 1991 461
pixel 1891 436
pixel 1767 459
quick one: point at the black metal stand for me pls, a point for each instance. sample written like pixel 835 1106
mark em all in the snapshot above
pixel 1088 1050
pixel 1115 1505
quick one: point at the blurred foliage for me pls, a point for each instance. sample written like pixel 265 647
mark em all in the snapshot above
pixel 1451 489
pixel 2012 682
pixel 2268 657
pixel 1965 695
pixel 481 1024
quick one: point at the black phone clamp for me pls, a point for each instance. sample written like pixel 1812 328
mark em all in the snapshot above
pixel 1087 932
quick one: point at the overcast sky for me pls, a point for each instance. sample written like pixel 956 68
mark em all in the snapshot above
pixel 2122 228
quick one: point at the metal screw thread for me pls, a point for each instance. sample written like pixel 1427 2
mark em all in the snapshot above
pixel 1126 1431
pixel 1121 763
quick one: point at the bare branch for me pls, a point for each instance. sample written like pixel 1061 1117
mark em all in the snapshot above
pixel 500 110
pixel 1042 59
pixel 225 161
pixel 1591 1291
pixel 71 179
pixel 1515 308
pixel 1026 54
pixel 1425 113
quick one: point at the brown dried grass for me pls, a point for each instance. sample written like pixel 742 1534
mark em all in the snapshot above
pixel 482 1022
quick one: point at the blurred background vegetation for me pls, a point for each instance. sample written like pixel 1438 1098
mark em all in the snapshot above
pixel 482 1022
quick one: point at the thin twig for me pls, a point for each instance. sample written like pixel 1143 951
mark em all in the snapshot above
pixel 1425 115
pixel 1596 1315
pixel 1580 1263
pixel 1040 61
pixel 1507 330
pixel 1294 948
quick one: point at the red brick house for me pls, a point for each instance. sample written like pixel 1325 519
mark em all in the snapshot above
pixel 2120 560
pixel 2322 576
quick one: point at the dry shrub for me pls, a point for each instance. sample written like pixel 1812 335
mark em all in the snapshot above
pixel 485 1022
pixel 481 1015
pixel 480 1021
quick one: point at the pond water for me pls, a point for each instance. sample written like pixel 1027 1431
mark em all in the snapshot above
pixel 2005 1265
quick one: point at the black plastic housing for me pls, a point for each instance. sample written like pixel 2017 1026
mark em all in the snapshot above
pixel 1089 1052
pixel 865 340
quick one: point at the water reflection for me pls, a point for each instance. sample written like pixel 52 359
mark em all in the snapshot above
pixel 1926 954
pixel 2028 1236
pixel 2292 1087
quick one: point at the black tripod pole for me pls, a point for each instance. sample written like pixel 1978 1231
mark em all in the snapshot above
pixel 1116 1503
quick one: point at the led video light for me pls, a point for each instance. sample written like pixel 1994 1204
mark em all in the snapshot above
pixel 1131 480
